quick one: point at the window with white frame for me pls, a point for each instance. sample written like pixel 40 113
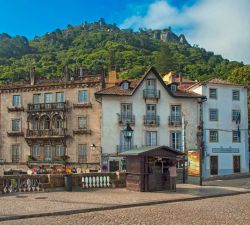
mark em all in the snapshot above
pixel 16 100
pixel 236 136
pixel 213 136
pixel 60 97
pixel 236 95
pixel 83 96
pixel 213 114
pixel 48 153
pixel 48 98
pixel 36 98
pixel 173 87
pixel 59 150
pixel 82 122
pixel 36 150
pixel 82 153
pixel 175 139
pixel 213 93
pixel 125 85
pixel 16 125
pixel 15 153
pixel 236 115
pixel 151 138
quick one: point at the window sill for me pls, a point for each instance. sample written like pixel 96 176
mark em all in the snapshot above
pixel 16 109
pixel 82 105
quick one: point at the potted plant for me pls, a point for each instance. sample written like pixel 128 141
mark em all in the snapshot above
pixel 31 158
pixel 65 159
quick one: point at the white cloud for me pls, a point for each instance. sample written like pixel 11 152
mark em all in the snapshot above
pixel 222 26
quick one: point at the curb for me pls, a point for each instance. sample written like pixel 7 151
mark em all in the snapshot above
pixel 124 206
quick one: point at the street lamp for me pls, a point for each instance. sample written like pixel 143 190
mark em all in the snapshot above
pixel 128 132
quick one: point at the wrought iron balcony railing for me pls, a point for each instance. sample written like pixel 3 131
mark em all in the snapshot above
pixel 125 147
pixel 151 120
pixel 174 121
pixel 151 93
pixel 124 119
pixel 47 106
pixel 46 133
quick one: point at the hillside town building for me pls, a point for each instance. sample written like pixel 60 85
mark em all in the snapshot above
pixel 225 127
pixel 88 121
pixel 47 121
pixel 158 113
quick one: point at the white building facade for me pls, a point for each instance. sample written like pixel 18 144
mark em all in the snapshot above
pixel 225 128
pixel 159 114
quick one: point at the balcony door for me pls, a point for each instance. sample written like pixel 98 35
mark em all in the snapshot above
pixel 48 98
pixel 48 153
pixel 150 87
pixel 151 110
pixel 125 144
pixel 175 112
pixel 151 84
pixel 36 100
pixel 126 112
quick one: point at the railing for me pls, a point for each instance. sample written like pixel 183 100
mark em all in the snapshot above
pixel 151 120
pixel 12 184
pixel 46 133
pixel 151 93
pixel 47 106
pixel 174 120
pixel 15 158
pixel 96 181
pixel 123 148
pixel 55 161
pixel 124 119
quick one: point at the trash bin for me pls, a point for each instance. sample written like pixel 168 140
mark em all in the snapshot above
pixel 68 182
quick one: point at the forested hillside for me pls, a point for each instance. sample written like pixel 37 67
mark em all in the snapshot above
pixel 98 46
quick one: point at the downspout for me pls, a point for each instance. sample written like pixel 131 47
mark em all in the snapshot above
pixel 200 135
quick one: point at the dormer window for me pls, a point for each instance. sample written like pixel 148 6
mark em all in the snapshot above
pixel 125 85
pixel 173 87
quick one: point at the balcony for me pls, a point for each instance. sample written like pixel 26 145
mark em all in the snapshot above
pixel 48 161
pixel 151 94
pixel 125 147
pixel 41 107
pixel 151 120
pixel 15 134
pixel 50 133
pixel 82 105
pixel 81 131
pixel 124 119
pixel 174 121
pixel 15 109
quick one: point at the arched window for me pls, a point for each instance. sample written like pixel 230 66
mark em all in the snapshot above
pixel 35 123
pixel 57 122
pixel 45 123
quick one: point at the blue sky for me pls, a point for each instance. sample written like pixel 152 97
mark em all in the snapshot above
pixel 36 17
pixel 221 26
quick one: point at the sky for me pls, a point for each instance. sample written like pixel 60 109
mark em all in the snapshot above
pixel 221 26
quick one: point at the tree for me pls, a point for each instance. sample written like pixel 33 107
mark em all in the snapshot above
pixel 240 75
pixel 164 60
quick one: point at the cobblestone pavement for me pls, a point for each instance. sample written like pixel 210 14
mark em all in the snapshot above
pixel 239 182
pixel 228 210
pixel 37 203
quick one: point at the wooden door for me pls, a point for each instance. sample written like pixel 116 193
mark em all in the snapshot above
pixel 214 165
pixel 236 163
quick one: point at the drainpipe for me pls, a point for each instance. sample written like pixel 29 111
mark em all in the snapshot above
pixel 200 134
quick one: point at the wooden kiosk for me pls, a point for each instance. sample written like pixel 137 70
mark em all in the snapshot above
pixel 147 167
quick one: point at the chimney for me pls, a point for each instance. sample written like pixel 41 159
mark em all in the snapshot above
pixel 81 72
pixel 66 73
pixel 112 76
pixel 32 76
pixel 103 83
pixel 180 78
